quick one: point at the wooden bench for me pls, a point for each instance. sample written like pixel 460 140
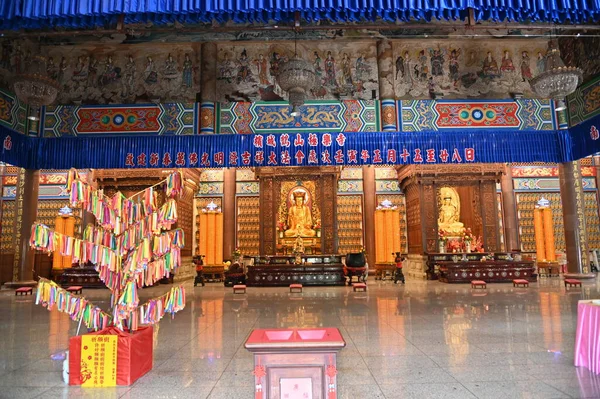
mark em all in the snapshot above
pixel 24 291
pixel 75 289
pixel 520 282
pixel 239 289
pixel 571 282
pixel 296 288
pixel 359 287
pixel 478 284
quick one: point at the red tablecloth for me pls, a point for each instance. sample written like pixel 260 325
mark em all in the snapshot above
pixel 587 341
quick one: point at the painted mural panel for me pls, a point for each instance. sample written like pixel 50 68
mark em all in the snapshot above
pixel 350 186
pixel 321 115
pixel 108 73
pixel 466 68
pixel 582 52
pixel 385 173
pixel 244 174
pixel 159 119
pixel 12 111
pixel 430 115
pixel 249 72
pixel 351 173
pixel 584 104
pixel 247 187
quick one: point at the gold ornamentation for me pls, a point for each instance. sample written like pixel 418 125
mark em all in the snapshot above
pixel 449 212
pixel 299 218
pixel 286 200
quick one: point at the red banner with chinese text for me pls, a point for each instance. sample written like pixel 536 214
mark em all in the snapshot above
pixel 134 355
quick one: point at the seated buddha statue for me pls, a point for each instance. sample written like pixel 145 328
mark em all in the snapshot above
pixel 299 218
pixel 448 220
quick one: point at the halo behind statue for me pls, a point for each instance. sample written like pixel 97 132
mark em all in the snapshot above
pixel 450 192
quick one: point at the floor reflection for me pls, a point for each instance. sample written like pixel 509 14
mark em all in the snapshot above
pixel 423 339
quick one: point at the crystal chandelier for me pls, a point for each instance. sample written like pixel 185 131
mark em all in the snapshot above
pixel 296 77
pixel 557 81
pixel 34 87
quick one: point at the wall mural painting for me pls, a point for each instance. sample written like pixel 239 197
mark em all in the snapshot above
pixel 104 74
pixel 249 72
pixel 581 52
pixel 466 68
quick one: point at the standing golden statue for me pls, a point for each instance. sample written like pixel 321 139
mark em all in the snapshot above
pixel 449 212
pixel 299 218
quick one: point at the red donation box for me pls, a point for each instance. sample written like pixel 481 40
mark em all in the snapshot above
pixel 295 363
pixel 133 356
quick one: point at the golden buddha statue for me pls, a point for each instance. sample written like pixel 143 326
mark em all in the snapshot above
pixel 299 218
pixel 449 212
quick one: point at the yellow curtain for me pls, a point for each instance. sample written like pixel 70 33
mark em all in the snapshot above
pixel 211 237
pixel 57 258
pixel 538 225
pixel 70 231
pixel 549 234
pixel 387 235
pixel 219 239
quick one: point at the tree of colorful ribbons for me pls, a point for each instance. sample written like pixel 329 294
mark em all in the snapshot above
pixel 131 246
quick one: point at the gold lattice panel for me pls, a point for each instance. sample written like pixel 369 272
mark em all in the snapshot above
pixel 400 201
pixel 185 213
pixel 248 225
pixel 8 219
pixel 592 221
pixel 525 205
pixel 500 222
pixel 350 226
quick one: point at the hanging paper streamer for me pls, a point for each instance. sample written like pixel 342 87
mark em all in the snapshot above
pixel 44 238
pixel 129 300
pixel 128 247
pixel 131 236
pixel 154 310
pixel 174 185
pixel 49 295
pixel 118 213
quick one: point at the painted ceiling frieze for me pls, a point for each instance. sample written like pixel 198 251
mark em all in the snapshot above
pixel 344 70
pixel 584 104
pixel 153 119
pixel 98 73
pixel 466 68
pixel 325 116
pixel 428 115
pixel 582 52
pixel 13 113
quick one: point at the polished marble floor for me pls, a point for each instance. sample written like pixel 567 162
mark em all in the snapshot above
pixel 421 340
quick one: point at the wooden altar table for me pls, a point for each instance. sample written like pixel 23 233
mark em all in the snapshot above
pixel 281 271
pixel 497 268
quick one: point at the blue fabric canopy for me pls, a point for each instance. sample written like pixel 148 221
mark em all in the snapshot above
pixel 283 149
pixel 36 14
pixel 585 138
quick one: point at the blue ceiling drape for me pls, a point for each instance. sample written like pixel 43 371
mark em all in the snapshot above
pixel 297 149
pixel 36 14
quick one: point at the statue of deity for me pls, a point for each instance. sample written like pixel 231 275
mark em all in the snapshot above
pixel 449 212
pixel 299 218
pixel 299 245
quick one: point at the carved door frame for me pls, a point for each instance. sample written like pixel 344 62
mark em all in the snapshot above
pixel 271 178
